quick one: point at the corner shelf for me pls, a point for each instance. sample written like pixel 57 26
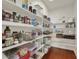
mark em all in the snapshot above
pixel 13 7
pixel 9 23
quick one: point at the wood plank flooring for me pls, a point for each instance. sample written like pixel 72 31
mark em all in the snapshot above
pixel 57 53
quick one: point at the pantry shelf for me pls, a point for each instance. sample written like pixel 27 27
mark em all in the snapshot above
pixel 14 46
pixel 20 44
pixel 9 23
pixel 42 36
pixel 14 7
pixel 63 23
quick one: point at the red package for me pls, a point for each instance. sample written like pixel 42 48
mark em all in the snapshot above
pixel 26 56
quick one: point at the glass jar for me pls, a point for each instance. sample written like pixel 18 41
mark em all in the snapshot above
pixel 9 41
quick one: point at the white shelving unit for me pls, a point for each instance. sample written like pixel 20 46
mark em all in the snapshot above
pixel 11 7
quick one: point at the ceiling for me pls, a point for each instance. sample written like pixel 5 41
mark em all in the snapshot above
pixel 57 3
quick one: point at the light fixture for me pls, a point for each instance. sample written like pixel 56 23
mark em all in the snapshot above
pixel 51 0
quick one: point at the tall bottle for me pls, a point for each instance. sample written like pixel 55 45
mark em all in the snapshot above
pixel 7 31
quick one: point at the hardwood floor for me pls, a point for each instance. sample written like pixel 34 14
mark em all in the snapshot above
pixel 57 53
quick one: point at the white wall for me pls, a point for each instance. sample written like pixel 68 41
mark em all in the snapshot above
pixel 67 11
pixel 63 11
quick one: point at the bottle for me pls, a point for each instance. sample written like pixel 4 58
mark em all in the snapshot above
pixel 34 11
pixel 30 8
pixel 25 20
pixel 7 31
pixel 14 15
